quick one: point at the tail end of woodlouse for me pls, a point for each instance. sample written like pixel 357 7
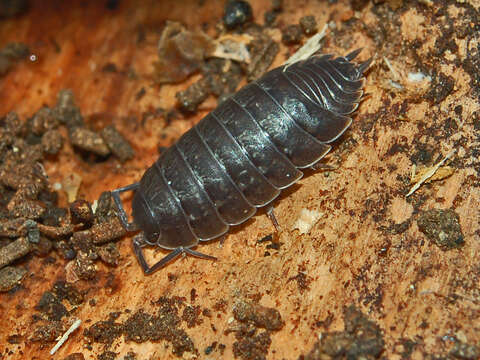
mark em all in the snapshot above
pixel 353 54
pixel 364 66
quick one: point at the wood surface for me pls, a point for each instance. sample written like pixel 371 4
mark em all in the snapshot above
pixel 422 297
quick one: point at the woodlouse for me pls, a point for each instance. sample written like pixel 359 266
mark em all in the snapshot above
pixel 241 155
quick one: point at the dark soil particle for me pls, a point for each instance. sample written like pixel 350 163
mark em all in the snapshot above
pixel 251 347
pixel 104 332
pixel 89 141
pixel 442 85
pixel 237 12
pixel 303 281
pixel 109 254
pixel 107 355
pixel 194 95
pixel 75 356
pixel 49 332
pixel 66 291
pixel 102 233
pixel 209 349
pixel 15 250
pixel 52 142
pixel 14 339
pixel 51 306
pixel 442 227
pixel 292 35
pixel 117 143
pixel 361 339
pixel 263 51
pixel 191 315
pixel 81 212
pixel 141 327
pixel 11 276
pixel 308 24
pixel 465 351
pixel 260 316
pixel 105 207
pixel 130 356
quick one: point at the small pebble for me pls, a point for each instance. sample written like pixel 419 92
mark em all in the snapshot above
pixel 237 12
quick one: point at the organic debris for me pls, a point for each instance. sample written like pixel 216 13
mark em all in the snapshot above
pixel 30 221
pixel 142 327
pixel 361 339
pixel 11 276
pixel 429 173
pixel 181 53
pixel 250 344
pixel 442 227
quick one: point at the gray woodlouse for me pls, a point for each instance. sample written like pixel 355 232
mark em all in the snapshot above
pixel 241 155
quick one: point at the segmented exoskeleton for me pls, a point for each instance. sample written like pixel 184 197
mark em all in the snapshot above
pixel 242 154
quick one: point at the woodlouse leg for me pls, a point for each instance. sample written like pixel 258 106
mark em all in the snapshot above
pixel 321 166
pixel 121 211
pixel 199 254
pixel 273 219
pixel 139 243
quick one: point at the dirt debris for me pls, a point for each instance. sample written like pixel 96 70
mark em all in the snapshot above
pixel 81 212
pixel 252 343
pixel 117 143
pixel 15 250
pixel 142 327
pixel 11 276
pixel 237 13
pixel 29 215
pixel 308 24
pixel 75 356
pixel 250 346
pixel 362 338
pixel 465 351
pixel 260 316
pixel 52 142
pixel 191 315
pixel 194 95
pixel 89 141
pixel 264 50
pixel 292 34
pixel 442 227
pixel 180 53
pixel 107 355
